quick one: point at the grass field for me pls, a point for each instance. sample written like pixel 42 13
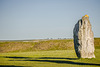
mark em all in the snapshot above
pixel 40 45
pixel 36 45
pixel 55 58
pixel 46 53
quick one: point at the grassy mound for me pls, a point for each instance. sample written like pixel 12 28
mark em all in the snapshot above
pixel 54 45
pixel 97 43
pixel 40 45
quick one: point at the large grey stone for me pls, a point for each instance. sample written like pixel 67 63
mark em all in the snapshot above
pixel 84 38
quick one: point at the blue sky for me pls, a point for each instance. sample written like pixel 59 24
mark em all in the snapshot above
pixel 41 19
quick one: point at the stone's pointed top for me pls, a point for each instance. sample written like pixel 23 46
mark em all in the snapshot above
pixel 85 16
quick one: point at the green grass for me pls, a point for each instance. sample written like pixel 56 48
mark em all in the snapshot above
pixel 45 53
pixel 54 58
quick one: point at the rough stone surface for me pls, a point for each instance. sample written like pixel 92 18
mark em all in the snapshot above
pixel 84 38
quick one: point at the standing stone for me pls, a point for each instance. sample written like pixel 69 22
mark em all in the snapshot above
pixel 84 38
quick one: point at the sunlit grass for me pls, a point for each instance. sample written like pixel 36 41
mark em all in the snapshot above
pixel 55 58
pixel 45 53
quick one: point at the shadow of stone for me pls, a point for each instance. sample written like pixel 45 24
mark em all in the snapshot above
pixel 65 62
pixel 15 57
pixel 10 66
pixel 43 59
pixel 38 58
pixel 58 58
